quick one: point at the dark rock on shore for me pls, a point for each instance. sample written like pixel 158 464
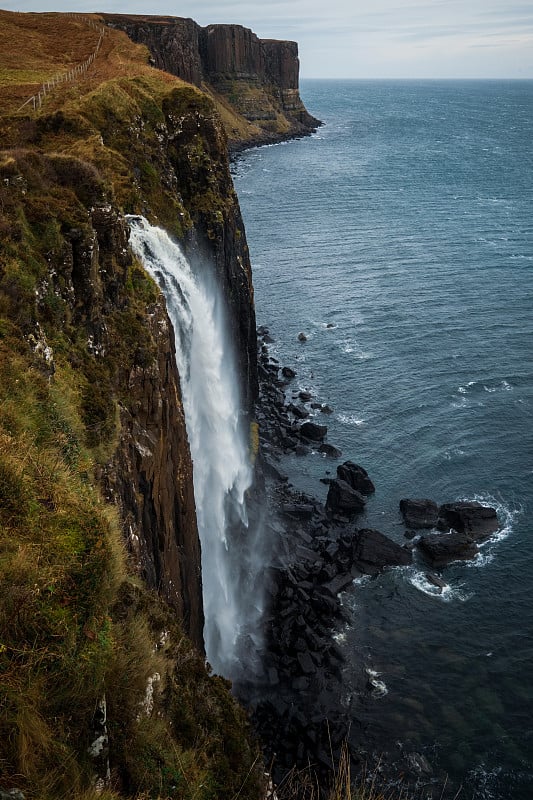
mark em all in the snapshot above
pixel 330 450
pixel 467 522
pixel 419 513
pixel 314 432
pixel 441 548
pixel 316 555
pixel 474 519
pixel 356 477
pixel 287 372
pixel 299 411
pixel 342 499
pixel 373 551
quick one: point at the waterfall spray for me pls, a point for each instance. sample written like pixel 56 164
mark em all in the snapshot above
pixel 221 467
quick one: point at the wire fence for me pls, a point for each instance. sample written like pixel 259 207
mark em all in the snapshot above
pixel 36 100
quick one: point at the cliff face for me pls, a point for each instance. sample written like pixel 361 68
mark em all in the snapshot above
pixel 150 473
pixel 96 494
pixel 257 79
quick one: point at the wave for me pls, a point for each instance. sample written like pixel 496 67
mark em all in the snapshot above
pixel 353 348
pixel 350 419
pixel 473 387
pixel 507 516
pixel 455 452
pixel 446 594
pixel 377 688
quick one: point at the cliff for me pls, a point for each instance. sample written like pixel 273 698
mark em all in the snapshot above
pixel 253 81
pixel 100 567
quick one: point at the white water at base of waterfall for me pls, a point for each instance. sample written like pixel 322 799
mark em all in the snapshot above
pixel 221 466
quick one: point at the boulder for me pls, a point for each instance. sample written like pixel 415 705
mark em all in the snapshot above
pixel 331 451
pixel 342 499
pixel 372 551
pixel 356 477
pixel 302 511
pixel 298 410
pixel 271 470
pixel 419 513
pixel 287 372
pixel 474 519
pixel 302 337
pixel 436 581
pixel 306 663
pixel 339 583
pixel 305 396
pixel 442 548
pixel 312 431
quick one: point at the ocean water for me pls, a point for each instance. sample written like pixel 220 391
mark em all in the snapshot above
pixel 399 238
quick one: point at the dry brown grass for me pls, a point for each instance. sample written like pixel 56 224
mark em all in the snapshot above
pixel 52 44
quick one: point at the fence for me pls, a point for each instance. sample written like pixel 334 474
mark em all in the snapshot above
pixel 36 100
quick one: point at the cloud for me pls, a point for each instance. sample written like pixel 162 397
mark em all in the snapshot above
pixel 362 38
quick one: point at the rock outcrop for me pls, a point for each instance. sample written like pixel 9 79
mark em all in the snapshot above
pixel 442 548
pixel 419 513
pixel 465 524
pixel 472 518
pixel 257 79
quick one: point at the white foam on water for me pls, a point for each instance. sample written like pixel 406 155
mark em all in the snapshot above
pixel 446 594
pixel 379 688
pixel 483 779
pixel 354 349
pixel 474 387
pixel 507 516
pixel 350 419
pixel 362 580
pixel 455 452
pixel 464 389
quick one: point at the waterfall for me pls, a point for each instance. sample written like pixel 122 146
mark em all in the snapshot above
pixel 219 445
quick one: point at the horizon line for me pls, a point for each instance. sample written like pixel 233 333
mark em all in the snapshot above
pixel 411 78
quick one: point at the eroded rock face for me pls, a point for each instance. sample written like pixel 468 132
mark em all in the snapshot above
pixel 217 242
pixel 172 41
pixel 149 476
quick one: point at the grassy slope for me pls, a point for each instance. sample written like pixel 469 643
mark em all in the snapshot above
pixel 74 624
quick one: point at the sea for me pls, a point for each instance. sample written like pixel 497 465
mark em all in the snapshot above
pixel 399 239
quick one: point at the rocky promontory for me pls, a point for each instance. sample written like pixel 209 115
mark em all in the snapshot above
pixel 253 81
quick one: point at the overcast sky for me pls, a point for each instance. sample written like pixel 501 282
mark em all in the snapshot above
pixel 364 38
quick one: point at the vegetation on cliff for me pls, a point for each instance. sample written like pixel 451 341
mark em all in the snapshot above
pixel 95 664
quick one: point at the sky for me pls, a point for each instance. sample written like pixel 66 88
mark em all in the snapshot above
pixel 363 38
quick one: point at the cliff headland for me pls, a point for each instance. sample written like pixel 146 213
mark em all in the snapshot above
pixel 253 82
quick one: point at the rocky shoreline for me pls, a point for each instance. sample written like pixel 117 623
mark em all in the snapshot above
pixel 293 685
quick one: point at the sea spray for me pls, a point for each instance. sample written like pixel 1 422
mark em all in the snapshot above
pixel 221 467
